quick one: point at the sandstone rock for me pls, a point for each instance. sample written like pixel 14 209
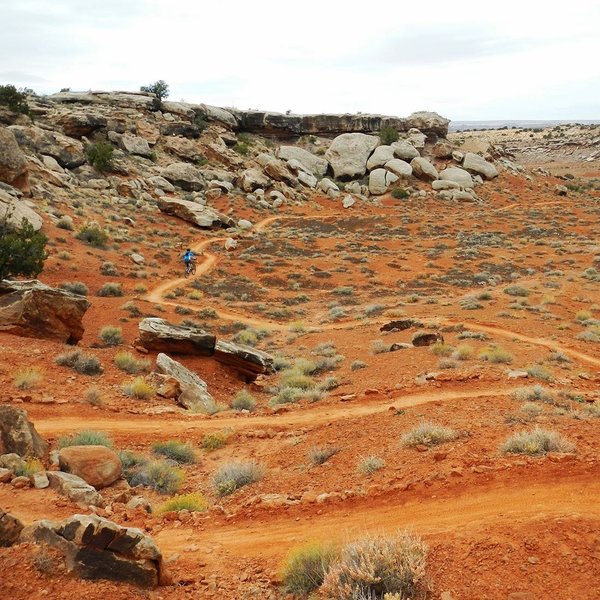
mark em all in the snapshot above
pixel 426 339
pixel 315 164
pixel 244 224
pixel 138 259
pixel 32 309
pixel 348 154
pixel 194 391
pixel 135 145
pixel 68 152
pixel 96 548
pixel 308 180
pixel 442 149
pixel 348 201
pixel 457 175
pixel 252 179
pixel 380 156
pixel 185 149
pixel 417 138
pixel 443 184
pixel 423 169
pixel 15 210
pixel 278 170
pixel 193 212
pixel 185 176
pixel 399 325
pixel 74 488
pixel 162 183
pixel 180 128
pixel 12 461
pixel 18 435
pixel 39 480
pixel 97 465
pixel 230 244
pixel 162 336
pixel 13 163
pixel 476 164
pixel 248 361
pixel 399 167
pixel 216 114
pixel 10 529
pixel 5 475
pixel 428 122
pixel 139 502
pixel 561 190
pixel 80 125
pixel 380 180
pixel 404 150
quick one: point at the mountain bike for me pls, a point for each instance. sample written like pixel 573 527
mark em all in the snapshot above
pixel 190 268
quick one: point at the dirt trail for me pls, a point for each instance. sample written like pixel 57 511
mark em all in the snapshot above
pixel 145 424
pixel 500 503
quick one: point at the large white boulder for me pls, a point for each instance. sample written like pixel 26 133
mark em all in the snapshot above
pixel 380 180
pixel 349 152
pixel 404 150
pixel 457 175
pixel 423 169
pixel 315 164
pixel 477 164
pixel 380 156
pixel 399 167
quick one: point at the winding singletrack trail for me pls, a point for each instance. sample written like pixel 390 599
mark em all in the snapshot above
pixel 157 297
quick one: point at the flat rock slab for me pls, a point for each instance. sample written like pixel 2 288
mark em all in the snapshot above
pixel 74 488
pixel 193 212
pixel 162 336
pixel 246 360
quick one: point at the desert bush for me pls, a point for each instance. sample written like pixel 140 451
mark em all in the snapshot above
pixel 592 334
pixel 138 388
pixel 441 349
pixel 157 474
pixel 298 380
pixel 472 335
pixel 92 235
pixel 463 352
pixel 447 363
pixel 533 393
pixel 127 362
pixel 329 383
pixel 286 395
pixel 540 372
pixel 15 100
pixel 86 438
pixel 65 222
pixel 428 434
pixel 111 336
pixel 175 450
pixel 93 396
pixel 22 249
pixel 108 268
pixel 516 290
pixel 328 363
pixel 388 135
pixel 194 502
pixel 358 364
pixel 75 287
pixel 367 465
pixel 304 568
pixel 470 303
pixel 583 315
pixel 376 566
pixel 28 467
pixel 496 354
pixel 243 401
pixel 214 441
pixel 234 475
pixel 532 410
pixel 100 156
pixel 27 378
pixel 280 363
pixel 536 442
pixel 379 347
pixel 319 455
pixel 111 290
pixel 400 193
pixel 132 309
pixel 86 364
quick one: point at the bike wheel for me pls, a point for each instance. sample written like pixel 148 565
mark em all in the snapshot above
pixel 193 269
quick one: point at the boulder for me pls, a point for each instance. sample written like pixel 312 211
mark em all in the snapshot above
pixel 315 164
pixel 253 179
pixel 13 163
pixel 444 184
pixel 198 214
pixel 96 548
pixel 74 488
pixel 32 309
pixel 380 180
pixel 348 154
pixel 18 435
pixel 426 338
pixel 161 336
pixel 248 361
pixel 404 150
pixel 185 176
pixel 12 461
pixel 194 391
pixel 68 152
pixel 135 145
pixel 80 125
pixel 348 201
pixel 185 149
pixel 399 167
pixel 417 138
pixel 430 123
pixel 180 128
pixel 10 529
pixel 380 156
pixel 442 149
pixel 308 180
pixel 423 169
pixel 278 170
pixel 327 186
pixel 14 211
pixel 160 182
pixel 478 165
pixel 458 175
pixel 399 325
pixel 97 465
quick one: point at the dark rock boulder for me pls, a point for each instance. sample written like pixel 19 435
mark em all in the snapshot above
pixel 10 529
pixel 18 435
pixel 427 339
pixel 248 361
pixel 80 125
pixel 32 309
pixel 400 325
pixel 161 336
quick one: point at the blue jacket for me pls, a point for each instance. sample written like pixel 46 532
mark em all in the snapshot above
pixel 188 256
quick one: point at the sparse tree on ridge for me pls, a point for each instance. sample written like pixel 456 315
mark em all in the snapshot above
pixel 159 88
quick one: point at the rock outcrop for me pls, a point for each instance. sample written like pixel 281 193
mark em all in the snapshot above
pixel 161 336
pixel 18 435
pixel 32 309
pixel 348 154
pixel 248 361
pixel 74 488
pixel 13 163
pixel 184 175
pixel 315 164
pixel 478 165
pixel 15 210
pixel 193 212
pixel 10 529
pixel 96 548
pixel 97 465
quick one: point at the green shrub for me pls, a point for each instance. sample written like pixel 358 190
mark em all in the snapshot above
pixel 15 100
pixel 304 568
pixel 100 156
pixel 376 566
pixel 534 392
pixel 496 354
pixel 298 380
pixel 388 135
pixel 65 222
pixel 358 364
pixel 27 378
pixel 540 372
pixel 583 315
pixel 138 388
pixel 92 235
pixel 86 438
pixel 214 441
pixel 234 475
pixel 286 395
pixel 536 442
pixel 400 193
pixel 22 249
pixel 157 474
pixel 75 287
pixel 110 290
pixel 159 88
pixel 108 268
pixel 428 434
pixel 463 352
pixel 93 396
pixel 86 364
pixel 28 467
pixel 175 450
pixel 320 455
pixel 516 290
pixel 130 364
pixel 441 349
pixel 367 465
pixel 111 336
pixel 194 502
pixel 243 401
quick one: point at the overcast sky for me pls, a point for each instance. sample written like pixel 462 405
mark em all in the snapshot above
pixel 465 59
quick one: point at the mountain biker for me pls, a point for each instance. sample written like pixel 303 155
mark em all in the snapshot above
pixel 188 257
